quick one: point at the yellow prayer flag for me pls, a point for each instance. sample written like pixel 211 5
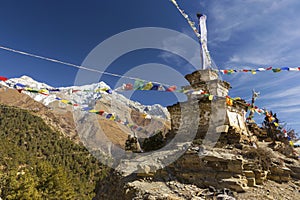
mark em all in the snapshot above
pixel 112 118
pixel 229 101
pixel 144 115
pixel 65 101
pixel 43 91
pixel 148 86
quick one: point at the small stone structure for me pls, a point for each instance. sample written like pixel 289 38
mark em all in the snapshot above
pixel 225 123
pixel 226 119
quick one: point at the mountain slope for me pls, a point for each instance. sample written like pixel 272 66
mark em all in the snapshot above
pixel 61 121
pixel 86 96
pixel 39 163
pixel 60 115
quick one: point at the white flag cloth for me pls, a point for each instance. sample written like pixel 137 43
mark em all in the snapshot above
pixel 205 53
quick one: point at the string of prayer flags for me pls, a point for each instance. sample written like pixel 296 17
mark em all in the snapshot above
pixel 142 85
pixel 46 91
pixel 207 61
pixel 190 22
pixel 254 71
pixel 27 89
pixel 115 118
pixel 21 87
pixel 106 115
pixel 66 101
pixel 98 90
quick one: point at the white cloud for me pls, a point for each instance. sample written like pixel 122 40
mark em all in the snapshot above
pixel 182 45
pixel 284 93
pixel 290 110
pixel 258 32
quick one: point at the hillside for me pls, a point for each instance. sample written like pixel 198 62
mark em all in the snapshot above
pixel 61 116
pixel 39 163
pixel 59 120
pixel 71 172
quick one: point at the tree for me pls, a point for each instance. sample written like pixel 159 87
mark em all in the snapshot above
pixel 19 185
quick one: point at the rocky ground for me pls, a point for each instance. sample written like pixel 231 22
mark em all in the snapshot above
pixel 273 190
pixel 174 190
pixel 224 173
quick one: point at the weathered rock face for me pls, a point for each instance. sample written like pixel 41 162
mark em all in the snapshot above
pixel 216 168
pixel 279 174
pixel 198 169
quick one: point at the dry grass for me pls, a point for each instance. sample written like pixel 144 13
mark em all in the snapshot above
pixel 261 156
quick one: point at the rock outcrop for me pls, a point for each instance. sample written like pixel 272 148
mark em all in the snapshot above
pixel 224 153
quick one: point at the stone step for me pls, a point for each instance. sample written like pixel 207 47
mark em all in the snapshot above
pixel 238 185
pixel 249 174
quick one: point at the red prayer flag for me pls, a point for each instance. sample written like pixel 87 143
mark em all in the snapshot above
pixel 128 86
pixel 269 68
pixel 171 89
pixel 2 78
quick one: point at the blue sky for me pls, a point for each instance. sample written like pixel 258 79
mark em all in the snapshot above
pixel 248 33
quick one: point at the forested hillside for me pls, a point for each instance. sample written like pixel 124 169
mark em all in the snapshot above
pixel 39 163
